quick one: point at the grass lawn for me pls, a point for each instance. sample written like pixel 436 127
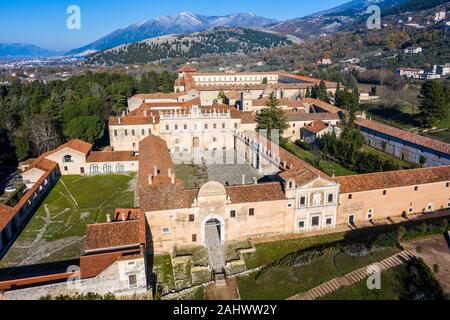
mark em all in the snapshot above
pixel 57 229
pixel 326 166
pixel 440 135
pixel 283 282
pixel 270 251
pixel 162 267
pixel 385 156
pixel 407 281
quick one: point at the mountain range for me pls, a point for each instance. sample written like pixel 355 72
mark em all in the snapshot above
pixel 345 17
pixel 22 50
pixel 182 23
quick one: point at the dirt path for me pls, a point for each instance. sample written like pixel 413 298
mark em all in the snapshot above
pixel 433 251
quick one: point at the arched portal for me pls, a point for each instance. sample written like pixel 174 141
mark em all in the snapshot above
pixel 213 230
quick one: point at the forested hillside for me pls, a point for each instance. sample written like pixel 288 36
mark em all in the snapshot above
pixel 36 117
pixel 213 41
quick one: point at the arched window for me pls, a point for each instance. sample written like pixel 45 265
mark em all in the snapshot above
pixel 107 168
pixel 93 168
pixel 119 168
pixel 67 158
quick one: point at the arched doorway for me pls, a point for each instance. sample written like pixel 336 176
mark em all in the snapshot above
pixel 212 232
pixel 213 238
pixel 195 142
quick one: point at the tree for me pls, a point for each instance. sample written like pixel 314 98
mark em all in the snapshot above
pixel 264 80
pixel 347 100
pixel 434 103
pixel 271 117
pixel 320 92
pixel 308 93
pixel 222 97
pixel 87 128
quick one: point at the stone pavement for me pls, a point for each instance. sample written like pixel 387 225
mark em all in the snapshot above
pixel 353 277
pixel 215 248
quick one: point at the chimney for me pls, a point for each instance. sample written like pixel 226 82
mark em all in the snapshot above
pixel 172 178
pixel 108 217
pixel 169 172
pixel 255 181
pixel 119 120
pixel 243 179
pixel 150 179
pixel 123 216
pixel 145 113
pixel 155 170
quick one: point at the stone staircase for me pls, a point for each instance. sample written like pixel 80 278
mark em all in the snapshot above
pixel 353 277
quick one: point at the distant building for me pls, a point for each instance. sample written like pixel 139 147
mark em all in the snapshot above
pixel 411 73
pixel 439 16
pixel 413 50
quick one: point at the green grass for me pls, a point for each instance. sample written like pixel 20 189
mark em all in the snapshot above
pixel 406 281
pixel 60 235
pixel 283 282
pixel 326 166
pixel 162 267
pixel 440 135
pixel 385 156
pixel 270 251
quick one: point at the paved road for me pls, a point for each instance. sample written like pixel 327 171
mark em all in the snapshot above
pixel 215 248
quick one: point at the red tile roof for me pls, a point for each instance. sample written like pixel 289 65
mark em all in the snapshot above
pixel 76 144
pixel 316 126
pixel 322 105
pixel 113 235
pixel 302 116
pixel 108 156
pixel 393 179
pixel 186 69
pixel 433 144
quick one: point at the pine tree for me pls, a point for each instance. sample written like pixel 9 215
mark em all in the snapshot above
pixel 271 117
pixel 434 103
pixel 308 93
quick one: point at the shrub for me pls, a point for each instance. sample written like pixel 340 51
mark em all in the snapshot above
pixel 302 144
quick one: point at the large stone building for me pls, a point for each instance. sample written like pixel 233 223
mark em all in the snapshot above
pixel 285 196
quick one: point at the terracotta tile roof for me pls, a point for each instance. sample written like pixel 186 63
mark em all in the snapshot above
pixel 393 179
pixel 186 69
pixel 130 214
pixel 433 144
pixel 158 95
pixel 255 192
pixel 247 117
pixel 109 156
pixel 301 116
pixel 316 126
pixel 153 106
pixel 102 236
pixel 233 95
pixel 6 214
pixel 329 84
pixel 76 144
pixel 128 120
pixel 322 105
pixel 281 102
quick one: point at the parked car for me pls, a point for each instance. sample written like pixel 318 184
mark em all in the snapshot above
pixel 10 188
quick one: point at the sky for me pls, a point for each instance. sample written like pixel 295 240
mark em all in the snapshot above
pixel 43 22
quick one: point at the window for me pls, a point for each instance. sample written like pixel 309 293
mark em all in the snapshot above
pixel 142 132
pixel 233 214
pixel 302 201
pixel 416 188
pixel 329 221
pixel 165 230
pixel 206 126
pixel 115 132
pixel 120 168
pixel 93 168
pixel 214 139
pixel 185 126
pixel 215 126
pixel 171 216
pixel 410 210
pixel 132 132
pixel 176 127
pixel 384 192
pixel 65 168
pixel 45 182
pixel 317 198
pixel 350 196
pixel 194 238
pixel 132 281
pixel 149 131
pixel 447 184
pixel 167 127
pixel 235 125
pixel 107 168
pixel 330 198
pixel 191 217
pixel 289 205
pixel 369 214
pixel 126 132
pixel 251 212
pixel 67 158
pixel 315 221
pixel 301 224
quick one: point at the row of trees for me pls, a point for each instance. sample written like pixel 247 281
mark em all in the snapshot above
pixel 36 117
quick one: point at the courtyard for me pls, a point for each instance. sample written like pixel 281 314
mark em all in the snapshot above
pixel 228 170
pixel 57 229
